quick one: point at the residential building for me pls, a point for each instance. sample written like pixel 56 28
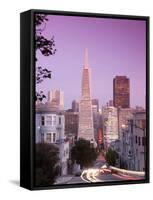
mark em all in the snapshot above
pixel 133 142
pixel 139 134
pixel 50 125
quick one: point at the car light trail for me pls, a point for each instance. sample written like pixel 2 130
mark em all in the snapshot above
pixel 90 175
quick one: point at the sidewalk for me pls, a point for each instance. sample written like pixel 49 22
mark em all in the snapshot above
pixel 63 179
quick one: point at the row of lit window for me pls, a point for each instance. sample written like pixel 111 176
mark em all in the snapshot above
pixel 49 120
pixel 140 140
pixel 50 137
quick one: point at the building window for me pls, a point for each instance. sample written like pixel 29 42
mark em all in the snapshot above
pixel 48 120
pixel 136 152
pixel 42 120
pixel 143 141
pixel 48 138
pixel 60 120
pixel 136 139
pixel 54 137
pixel 54 120
pixel 139 141
pixel 67 151
pixel 131 126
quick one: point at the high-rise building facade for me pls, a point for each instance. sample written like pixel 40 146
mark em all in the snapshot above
pixel 58 97
pixel 86 129
pixel 96 120
pixel 75 106
pixel 96 103
pixel 124 115
pixel 121 92
pixel 71 123
pixel 110 125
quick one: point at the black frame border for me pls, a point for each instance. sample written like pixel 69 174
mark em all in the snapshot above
pixel 27 97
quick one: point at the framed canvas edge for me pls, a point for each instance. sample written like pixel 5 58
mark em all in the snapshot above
pixel 32 12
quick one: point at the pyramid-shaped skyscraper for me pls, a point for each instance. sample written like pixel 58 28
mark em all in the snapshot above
pixel 86 129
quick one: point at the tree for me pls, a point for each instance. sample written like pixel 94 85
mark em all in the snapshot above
pixel 46 47
pixel 111 157
pixel 83 153
pixel 46 164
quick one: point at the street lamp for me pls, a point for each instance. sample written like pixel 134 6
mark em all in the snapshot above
pixel 123 126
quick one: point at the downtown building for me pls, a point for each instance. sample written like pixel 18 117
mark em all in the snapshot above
pixel 72 122
pixel 121 92
pixel 110 126
pixel 86 129
pixel 96 117
pixel 121 100
pixel 71 125
pixel 124 115
pixel 95 103
pixel 75 106
pixel 56 97
pixel 50 125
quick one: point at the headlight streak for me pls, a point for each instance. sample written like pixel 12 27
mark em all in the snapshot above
pixel 90 175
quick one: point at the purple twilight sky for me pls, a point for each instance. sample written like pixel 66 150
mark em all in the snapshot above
pixel 115 47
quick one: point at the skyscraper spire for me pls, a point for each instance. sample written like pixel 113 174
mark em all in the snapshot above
pixel 86 64
pixel 86 129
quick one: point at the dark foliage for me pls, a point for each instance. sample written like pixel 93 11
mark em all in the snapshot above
pixel 41 74
pixel 111 157
pixel 46 165
pixel 46 47
pixel 40 18
pixel 40 95
pixel 83 153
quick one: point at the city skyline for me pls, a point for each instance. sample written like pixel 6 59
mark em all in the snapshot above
pixel 121 51
pixel 99 63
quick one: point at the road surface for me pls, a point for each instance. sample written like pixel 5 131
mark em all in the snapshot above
pixel 100 173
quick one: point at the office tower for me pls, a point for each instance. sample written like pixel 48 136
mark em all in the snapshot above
pixel 75 106
pixel 110 125
pixel 71 123
pixel 86 129
pixel 58 97
pixel 96 102
pixel 121 92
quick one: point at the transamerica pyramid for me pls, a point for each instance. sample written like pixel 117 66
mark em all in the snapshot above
pixel 86 129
